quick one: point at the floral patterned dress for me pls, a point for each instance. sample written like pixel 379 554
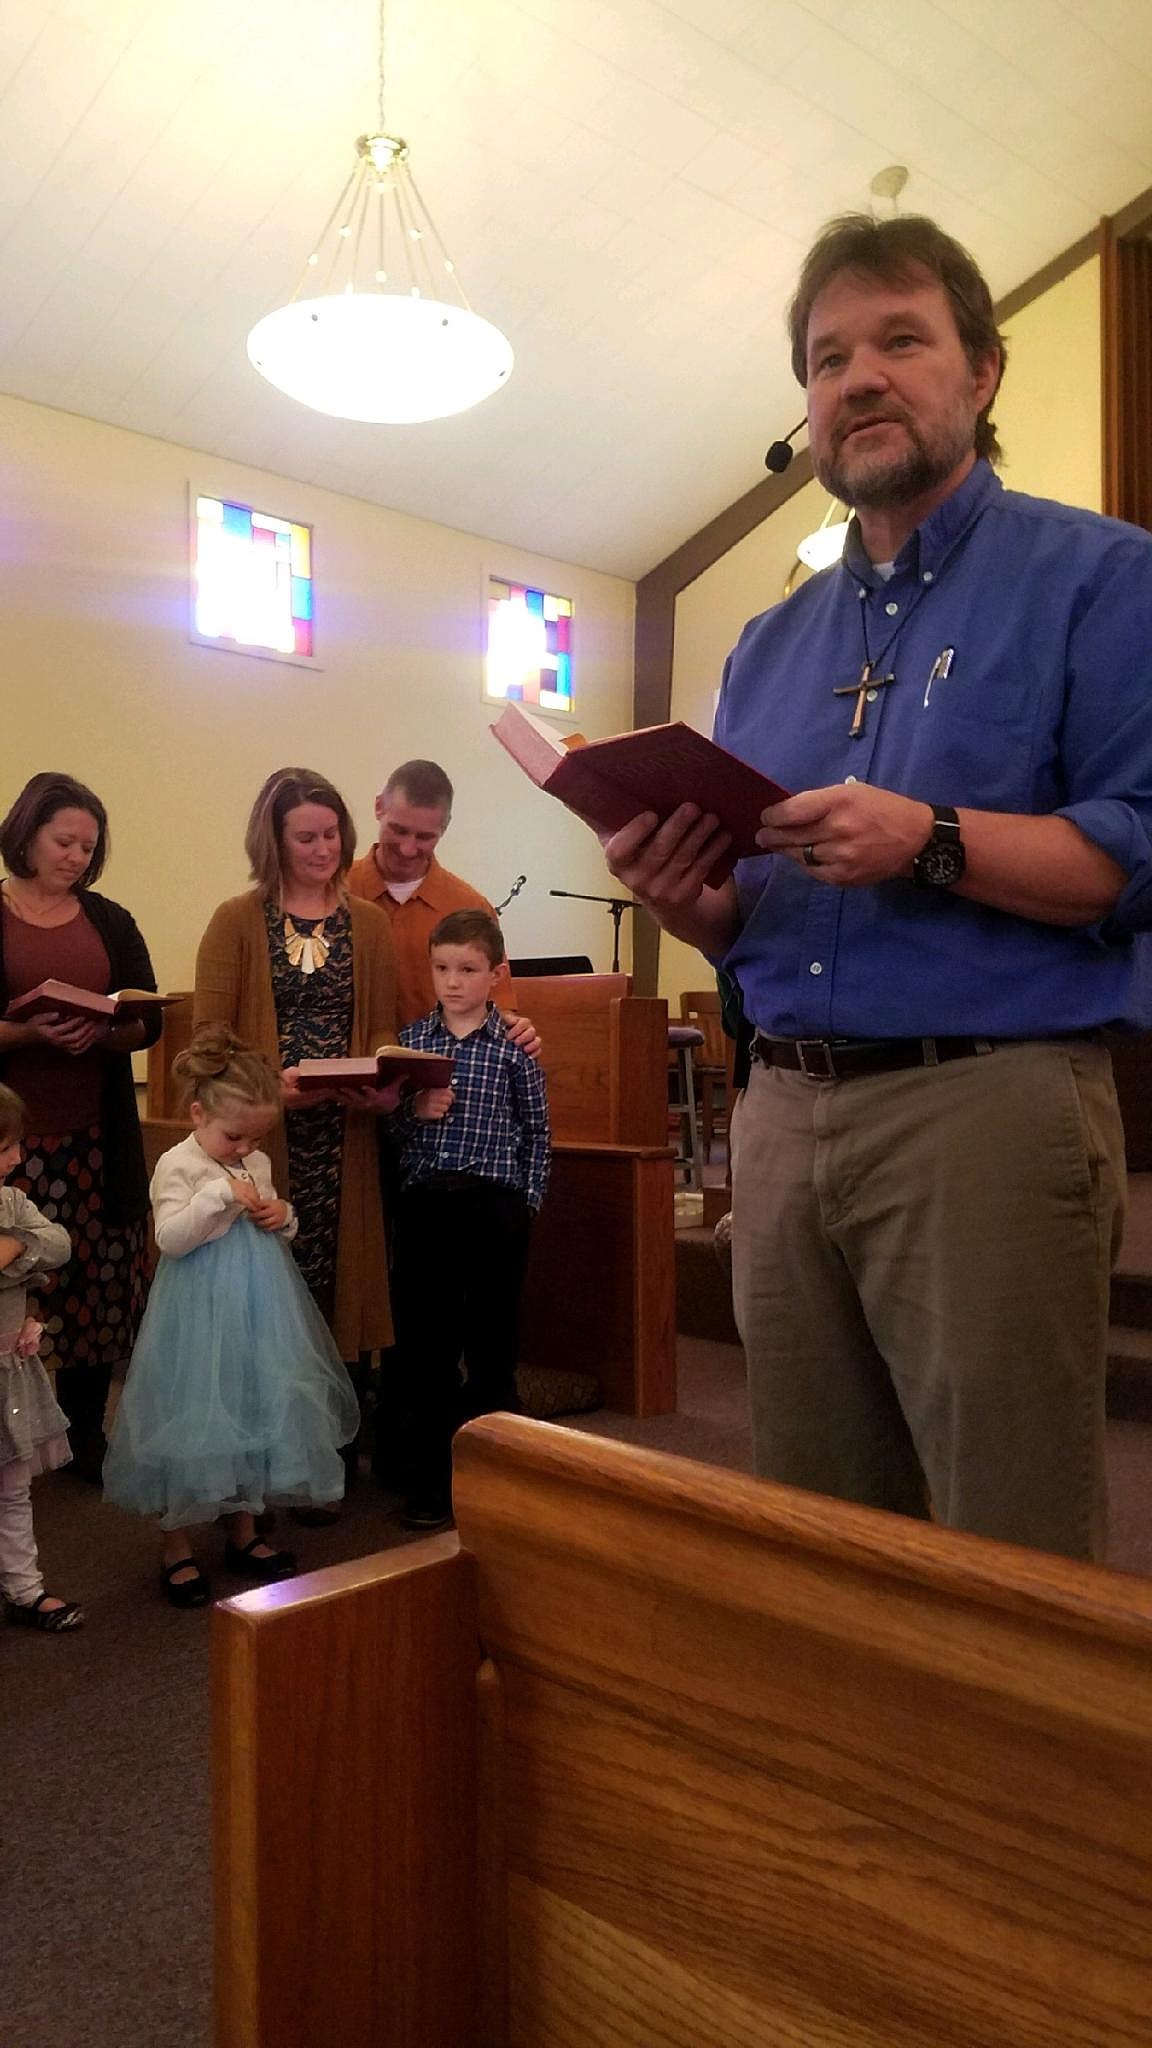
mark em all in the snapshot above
pixel 314 1021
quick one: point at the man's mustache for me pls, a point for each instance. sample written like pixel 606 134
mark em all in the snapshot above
pixel 867 419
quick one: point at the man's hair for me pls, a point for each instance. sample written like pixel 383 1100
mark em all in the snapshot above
pixel 901 252
pixel 424 784
pixel 284 791
pixel 36 805
pixel 11 1116
pixel 471 928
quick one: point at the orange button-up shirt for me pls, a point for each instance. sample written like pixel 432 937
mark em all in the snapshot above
pixel 413 923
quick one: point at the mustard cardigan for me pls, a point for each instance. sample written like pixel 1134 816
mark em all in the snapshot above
pixel 234 986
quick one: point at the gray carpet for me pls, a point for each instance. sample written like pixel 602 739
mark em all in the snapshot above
pixel 105 1870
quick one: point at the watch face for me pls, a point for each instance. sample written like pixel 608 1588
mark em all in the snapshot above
pixel 940 864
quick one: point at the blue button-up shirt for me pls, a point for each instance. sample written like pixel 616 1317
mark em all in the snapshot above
pixel 497 1127
pixel 1046 708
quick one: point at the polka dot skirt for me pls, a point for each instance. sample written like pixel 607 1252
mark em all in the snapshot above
pixel 91 1308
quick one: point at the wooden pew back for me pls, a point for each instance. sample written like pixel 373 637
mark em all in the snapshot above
pixel 750 1767
pixel 164 1097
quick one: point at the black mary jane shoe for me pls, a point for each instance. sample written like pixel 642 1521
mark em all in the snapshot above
pixel 193 1592
pixel 53 1620
pixel 279 1564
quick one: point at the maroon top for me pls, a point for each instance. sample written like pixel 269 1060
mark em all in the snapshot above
pixel 61 1092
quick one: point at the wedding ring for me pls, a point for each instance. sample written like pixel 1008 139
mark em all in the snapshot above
pixel 810 859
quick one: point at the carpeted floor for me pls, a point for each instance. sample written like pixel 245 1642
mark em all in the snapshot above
pixel 104 1878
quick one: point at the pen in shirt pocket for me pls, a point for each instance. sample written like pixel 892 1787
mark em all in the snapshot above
pixel 940 670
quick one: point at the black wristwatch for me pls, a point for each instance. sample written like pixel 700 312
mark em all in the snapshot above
pixel 941 860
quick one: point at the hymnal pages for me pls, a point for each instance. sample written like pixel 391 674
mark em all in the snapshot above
pixel 610 782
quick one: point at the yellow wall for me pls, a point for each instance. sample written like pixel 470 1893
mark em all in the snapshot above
pixel 101 680
pixel 1048 411
pixel 1048 418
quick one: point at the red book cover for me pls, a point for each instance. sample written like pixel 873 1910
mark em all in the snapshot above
pixel 377 1070
pixel 609 782
pixel 65 1000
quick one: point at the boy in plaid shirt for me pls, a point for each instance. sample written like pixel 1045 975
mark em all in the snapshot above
pixel 473 1170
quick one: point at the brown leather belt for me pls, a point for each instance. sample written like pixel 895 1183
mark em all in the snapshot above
pixel 830 1059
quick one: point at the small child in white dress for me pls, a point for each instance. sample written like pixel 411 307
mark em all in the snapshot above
pixel 33 1428
pixel 236 1395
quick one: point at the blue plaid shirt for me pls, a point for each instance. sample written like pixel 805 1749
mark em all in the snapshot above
pixel 497 1128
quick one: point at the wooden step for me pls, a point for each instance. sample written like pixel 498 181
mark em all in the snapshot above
pixel 703 1289
pixel 1130 1373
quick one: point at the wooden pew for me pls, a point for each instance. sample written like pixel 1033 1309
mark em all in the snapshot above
pixel 652 1756
pixel 601 1288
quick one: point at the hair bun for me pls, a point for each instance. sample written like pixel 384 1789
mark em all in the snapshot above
pixel 210 1053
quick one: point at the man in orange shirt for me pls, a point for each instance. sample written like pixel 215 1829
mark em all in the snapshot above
pixel 401 873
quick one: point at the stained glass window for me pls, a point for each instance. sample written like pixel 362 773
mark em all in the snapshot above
pixel 253 579
pixel 529 646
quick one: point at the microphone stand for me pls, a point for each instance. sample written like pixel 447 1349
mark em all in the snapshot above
pixel 517 885
pixel 616 904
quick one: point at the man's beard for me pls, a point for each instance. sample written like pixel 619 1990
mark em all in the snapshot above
pixel 876 481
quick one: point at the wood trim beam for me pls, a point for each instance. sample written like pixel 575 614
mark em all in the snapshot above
pixel 1134 218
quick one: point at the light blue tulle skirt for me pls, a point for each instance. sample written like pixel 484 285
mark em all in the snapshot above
pixel 236 1395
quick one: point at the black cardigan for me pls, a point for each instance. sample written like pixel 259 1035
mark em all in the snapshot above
pixel 125 1188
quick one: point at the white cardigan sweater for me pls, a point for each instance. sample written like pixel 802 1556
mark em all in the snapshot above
pixel 192 1199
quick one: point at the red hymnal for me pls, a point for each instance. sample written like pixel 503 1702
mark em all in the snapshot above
pixel 390 1063
pixel 69 1001
pixel 609 782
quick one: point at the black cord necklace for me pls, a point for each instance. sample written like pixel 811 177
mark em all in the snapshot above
pixel 869 684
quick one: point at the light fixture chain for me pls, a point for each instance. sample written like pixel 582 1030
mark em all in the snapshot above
pixel 383 64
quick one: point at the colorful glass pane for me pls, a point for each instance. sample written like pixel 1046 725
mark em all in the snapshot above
pixel 253 583
pixel 529 646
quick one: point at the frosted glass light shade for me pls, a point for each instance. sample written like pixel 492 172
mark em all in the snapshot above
pixel 379 356
pixel 820 549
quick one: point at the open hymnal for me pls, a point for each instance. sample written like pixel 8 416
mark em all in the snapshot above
pixel 659 767
pixel 378 1070
pixel 65 1000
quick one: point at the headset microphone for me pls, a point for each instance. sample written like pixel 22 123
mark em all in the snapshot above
pixel 780 453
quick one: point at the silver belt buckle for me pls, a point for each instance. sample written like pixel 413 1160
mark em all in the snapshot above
pixel 807 1046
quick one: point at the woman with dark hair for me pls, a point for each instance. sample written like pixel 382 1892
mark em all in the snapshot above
pixel 301 970
pixel 84 1164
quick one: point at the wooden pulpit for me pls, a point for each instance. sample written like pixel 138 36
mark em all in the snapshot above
pixel 601 1289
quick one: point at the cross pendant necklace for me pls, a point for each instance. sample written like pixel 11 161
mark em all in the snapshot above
pixel 864 692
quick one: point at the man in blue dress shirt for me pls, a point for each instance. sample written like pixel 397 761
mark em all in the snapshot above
pixel 928 1164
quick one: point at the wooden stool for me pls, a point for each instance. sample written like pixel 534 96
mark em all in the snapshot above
pixel 682 1041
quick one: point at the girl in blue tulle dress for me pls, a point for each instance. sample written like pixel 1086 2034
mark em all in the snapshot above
pixel 236 1396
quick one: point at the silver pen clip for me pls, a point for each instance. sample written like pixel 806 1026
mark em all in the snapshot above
pixel 940 671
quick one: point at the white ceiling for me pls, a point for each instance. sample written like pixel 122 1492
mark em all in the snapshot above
pixel 626 187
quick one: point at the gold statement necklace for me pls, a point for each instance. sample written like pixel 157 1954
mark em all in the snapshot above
pixel 307 951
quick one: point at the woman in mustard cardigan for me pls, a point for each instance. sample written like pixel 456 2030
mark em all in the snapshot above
pixel 303 971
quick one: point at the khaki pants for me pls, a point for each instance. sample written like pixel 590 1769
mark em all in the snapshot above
pixel 921 1269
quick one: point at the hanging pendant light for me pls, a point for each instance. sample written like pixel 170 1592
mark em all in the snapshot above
pixel 825 544
pixel 390 337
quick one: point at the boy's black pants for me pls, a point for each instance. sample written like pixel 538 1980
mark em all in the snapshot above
pixel 460 1247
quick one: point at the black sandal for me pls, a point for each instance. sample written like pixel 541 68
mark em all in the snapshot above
pixel 53 1620
pixel 193 1592
pixel 279 1564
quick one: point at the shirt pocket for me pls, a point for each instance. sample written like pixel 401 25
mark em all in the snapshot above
pixel 975 738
